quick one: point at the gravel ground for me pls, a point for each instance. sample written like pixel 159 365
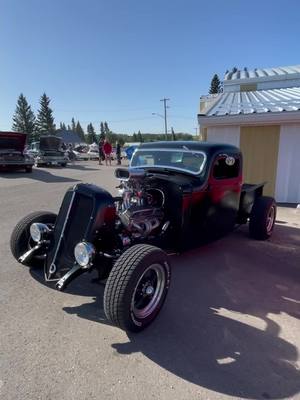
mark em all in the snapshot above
pixel 229 328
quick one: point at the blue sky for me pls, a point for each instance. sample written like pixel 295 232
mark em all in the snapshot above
pixel 114 60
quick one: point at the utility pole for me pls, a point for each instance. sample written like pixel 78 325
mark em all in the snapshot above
pixel 165 109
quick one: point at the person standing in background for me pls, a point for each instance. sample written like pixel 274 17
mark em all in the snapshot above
pixel 107 148
pixel 118 153
pixel 101 153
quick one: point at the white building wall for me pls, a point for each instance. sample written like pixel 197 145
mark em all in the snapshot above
pixel 224 134
pixel 288 167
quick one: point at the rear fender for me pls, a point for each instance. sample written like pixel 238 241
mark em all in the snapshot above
pixel 248 196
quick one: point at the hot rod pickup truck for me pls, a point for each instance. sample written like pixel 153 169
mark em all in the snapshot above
pixel 174 195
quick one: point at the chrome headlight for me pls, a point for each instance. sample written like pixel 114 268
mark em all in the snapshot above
pixel 84 253
pixel 37 230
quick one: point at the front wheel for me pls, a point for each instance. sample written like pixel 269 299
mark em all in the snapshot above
pixel 20 240
pixel 137 287
pixel 262 218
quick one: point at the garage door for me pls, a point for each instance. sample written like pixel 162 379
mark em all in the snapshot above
pixel 259 145
pixel 288 171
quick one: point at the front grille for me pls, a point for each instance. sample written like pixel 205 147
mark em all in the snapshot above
pixel 74 230
pixel 52 154
pixel 12 157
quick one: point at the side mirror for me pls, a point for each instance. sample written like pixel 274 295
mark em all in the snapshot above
pixel 122 173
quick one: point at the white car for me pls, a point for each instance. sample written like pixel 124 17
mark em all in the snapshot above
pixel 81 155
pixel 93 154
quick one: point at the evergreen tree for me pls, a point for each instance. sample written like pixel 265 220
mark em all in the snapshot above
pixel 62 126
pixel 234 70
pixel 23 119
pixel 91 134
pixel 68 128
pixel 73 125
pixel 139 137
pixel 215 85
pixel 102 131
pixel 80 131
pixel 106 128
pixel 173 134
pixel 134 137
pixel 45 120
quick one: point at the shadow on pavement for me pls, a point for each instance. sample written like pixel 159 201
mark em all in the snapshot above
pixel 219 328
pixel 38 175
pixel 82 167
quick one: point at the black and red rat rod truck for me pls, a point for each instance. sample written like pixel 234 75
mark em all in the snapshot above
pixel 174 196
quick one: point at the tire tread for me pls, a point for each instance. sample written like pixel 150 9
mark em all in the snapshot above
pixel 119 279
pixel 257 223
pixel 16 236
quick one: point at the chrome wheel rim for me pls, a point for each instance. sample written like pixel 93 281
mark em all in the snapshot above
pixel 270 219
pixel 148 291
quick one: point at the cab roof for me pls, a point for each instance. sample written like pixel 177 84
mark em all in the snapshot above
pixel 206 147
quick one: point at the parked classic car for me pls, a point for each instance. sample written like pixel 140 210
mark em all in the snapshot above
pixel 80 152
pixel 93 153
pixel 12 154
pixel 48 151
pixel 174 195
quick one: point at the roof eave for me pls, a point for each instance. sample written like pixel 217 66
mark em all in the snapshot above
pixel 250 119
pixel 258 79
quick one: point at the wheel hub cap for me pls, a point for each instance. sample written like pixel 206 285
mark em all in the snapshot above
pixel 149 290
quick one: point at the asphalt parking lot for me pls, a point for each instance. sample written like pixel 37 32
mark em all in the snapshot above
pixel 229 328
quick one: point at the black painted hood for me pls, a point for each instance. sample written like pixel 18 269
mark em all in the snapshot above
pixel 50 143
pixel 12 141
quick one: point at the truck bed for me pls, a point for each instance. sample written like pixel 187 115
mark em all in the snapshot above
pixel 249 187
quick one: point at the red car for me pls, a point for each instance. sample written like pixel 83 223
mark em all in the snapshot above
pixel 12 155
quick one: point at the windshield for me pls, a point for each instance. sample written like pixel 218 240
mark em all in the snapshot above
pixel 183 160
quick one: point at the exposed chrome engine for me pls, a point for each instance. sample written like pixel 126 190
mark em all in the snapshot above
pixel 140 209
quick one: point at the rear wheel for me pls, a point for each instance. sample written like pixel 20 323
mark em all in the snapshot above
pixel 262 218
pixel 20 240
pixel 137 287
